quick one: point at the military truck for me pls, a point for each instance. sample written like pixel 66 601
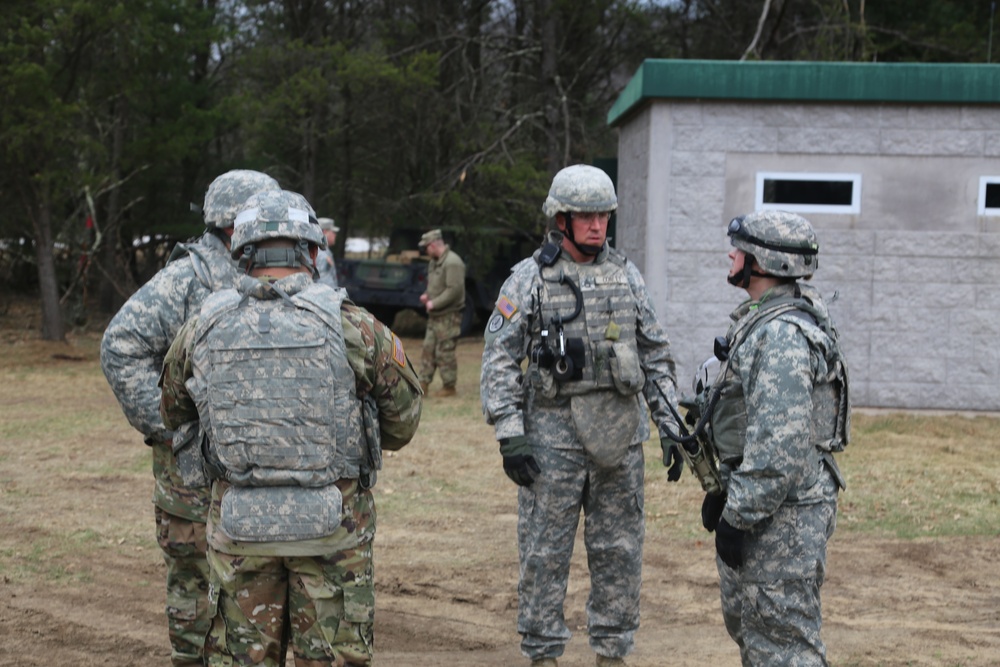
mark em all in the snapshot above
pixel 394 281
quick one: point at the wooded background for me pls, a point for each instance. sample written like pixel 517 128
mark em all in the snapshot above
pixel 116 115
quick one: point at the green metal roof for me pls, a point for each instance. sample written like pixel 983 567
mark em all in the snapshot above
pixel 936 83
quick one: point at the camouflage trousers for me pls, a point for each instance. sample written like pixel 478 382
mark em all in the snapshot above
pixel 771 605
pixel 184 550
pixel 548 516
pixel 438 352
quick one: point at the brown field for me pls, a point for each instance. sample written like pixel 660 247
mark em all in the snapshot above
pixel 82 575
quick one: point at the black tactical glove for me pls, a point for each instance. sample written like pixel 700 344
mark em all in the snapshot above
pixel 729 544
pixel 518 461
pixel 672 459
pixel 711 510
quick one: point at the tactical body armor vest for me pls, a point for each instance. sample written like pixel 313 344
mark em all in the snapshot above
pixel 275 391
pixel 600 339
pixel 830 422
pixel 584 316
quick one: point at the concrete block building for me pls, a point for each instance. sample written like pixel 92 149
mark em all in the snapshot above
pixel 896 165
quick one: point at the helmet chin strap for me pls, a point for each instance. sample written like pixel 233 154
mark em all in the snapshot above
pixel 742 279
pixel 590 250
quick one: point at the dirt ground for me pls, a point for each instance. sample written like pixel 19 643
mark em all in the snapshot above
pixel 446 565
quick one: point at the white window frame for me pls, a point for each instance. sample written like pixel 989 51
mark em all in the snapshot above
pixel 981 204
pixel 853 208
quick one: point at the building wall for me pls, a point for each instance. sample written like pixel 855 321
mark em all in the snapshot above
pixel 915 273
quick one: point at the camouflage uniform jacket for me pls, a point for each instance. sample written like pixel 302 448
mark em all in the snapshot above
pixel 446 283
pixel 777 368
pixel 380 366
pixel 610 284
pixel 132 352
pixel 327 268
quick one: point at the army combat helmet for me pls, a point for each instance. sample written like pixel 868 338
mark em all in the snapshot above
pixel 226 194
pixel 580 188
pixel 276 214
pixel 783 244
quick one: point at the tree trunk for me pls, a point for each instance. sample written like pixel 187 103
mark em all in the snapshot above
pixel 53 326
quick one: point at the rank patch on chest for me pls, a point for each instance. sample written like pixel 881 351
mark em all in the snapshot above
pixel 505 307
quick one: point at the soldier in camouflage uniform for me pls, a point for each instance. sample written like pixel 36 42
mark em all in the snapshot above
pixel 298 391
pixel 325 263
pixel 444 301
pixel 783 410
pixel 132 352
pixel 571 425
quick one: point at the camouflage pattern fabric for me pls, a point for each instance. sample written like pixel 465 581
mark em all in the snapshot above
pixel 571 479
pixel 446 284
pixel 438 351
pixel 327 268
pixel 183 545
pixel 328 600
pixel 548 515
pixel 783 494
pixel 132 352
pixel 325 583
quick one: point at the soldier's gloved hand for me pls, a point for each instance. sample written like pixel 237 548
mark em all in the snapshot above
pixel 729 544
pixel 518 461
pixel 672 459
pixel 711 510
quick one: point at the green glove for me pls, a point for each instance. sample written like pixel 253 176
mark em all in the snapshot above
pixel 518 462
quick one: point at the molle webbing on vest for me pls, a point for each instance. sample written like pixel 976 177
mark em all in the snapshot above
pixel 276 390
pixel 830 422
pixel 608 306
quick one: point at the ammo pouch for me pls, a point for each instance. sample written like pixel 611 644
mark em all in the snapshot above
pixel 280 513
pixel 187 449
pixel 373 443
pixel 626 371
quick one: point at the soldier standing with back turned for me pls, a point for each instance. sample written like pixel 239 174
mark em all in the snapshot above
pixel 298 391
pixel 571 425
pixel 132 352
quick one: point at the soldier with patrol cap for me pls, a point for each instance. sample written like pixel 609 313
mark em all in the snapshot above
pixel 781 409
pixel 132 352
pixel 572 423
pixel 298 391
pixel 325 263
pixel 444 301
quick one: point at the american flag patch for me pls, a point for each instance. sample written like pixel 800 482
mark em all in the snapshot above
pixel 506 308
pixel 397 351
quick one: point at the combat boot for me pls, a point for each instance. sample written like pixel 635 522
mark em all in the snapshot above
pixel 446 392
pixel 606 661
pixel 544 662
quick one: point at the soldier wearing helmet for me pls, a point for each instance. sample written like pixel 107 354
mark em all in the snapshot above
pixel 132 352
pixel 298 391
pixel 781 411
pixel 571 422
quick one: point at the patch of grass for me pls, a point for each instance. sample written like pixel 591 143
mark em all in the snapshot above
pixel 908 476
pixel 912 475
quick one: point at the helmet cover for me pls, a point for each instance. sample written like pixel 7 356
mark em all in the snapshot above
pixel 784 244
pixel 580 188
pixel 275 214
pixel 227 193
